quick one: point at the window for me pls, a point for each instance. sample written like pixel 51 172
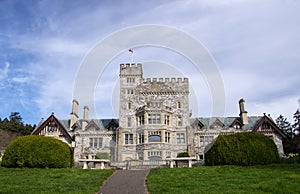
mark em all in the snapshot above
pixel 154 136
pixel 153 104
pixel 154 155
pixel 141 138
pixel 130 80
pixel 167 137
pixel 52 127
pixel 129 105
pixel 180 138
pixel 96 142
pixel 130 91
pixel 204 140
pixel 179 105
pixel 179 120
pixel 128 138
pixel 237 126
pixel 167 119
pixel 154 119
pixel 128 121
pixel 141 120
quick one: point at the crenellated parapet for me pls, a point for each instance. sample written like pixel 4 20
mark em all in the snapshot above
pixel 167 80
pixel 164 85
pixel 131 69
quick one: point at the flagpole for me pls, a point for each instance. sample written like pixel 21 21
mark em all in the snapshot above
pixel 131 52
pixel 131 57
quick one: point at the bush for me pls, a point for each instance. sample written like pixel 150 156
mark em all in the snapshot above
pixel 291 159
pixel 243 149
pixel 182 155
pixel 103 155
pixel 37 152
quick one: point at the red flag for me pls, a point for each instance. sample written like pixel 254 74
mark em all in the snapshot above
pixel 131 51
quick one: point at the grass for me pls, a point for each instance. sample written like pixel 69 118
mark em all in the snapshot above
pixel 25 180
pixel 279 178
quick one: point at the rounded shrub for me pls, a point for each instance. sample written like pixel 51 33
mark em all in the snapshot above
pixel 243 149
pixel 37 152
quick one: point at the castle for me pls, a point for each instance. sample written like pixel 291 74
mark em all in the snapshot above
pixel 154 123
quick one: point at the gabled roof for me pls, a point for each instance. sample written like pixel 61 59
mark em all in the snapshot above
pixel 236 121
pixel 217 123
pixel 52 119
pixel 267 120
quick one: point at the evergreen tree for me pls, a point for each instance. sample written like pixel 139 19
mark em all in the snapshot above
pixel 296 122
pixel 285 126
pixel 15 124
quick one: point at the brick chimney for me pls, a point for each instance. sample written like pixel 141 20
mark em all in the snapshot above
pixel 243 112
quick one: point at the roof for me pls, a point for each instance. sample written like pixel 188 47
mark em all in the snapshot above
pixel 227 121
pixel 101 123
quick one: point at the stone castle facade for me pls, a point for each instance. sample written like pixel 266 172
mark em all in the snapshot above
pixel 154 123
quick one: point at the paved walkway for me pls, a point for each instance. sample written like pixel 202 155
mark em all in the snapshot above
pixel 126 182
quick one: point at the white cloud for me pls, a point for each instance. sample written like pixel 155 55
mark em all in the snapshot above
pixel 255 44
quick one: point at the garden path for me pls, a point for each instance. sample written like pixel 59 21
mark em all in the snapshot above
pixel 126 182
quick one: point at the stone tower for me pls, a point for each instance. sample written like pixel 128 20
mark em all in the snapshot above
pixel 131 76
pixel 154 116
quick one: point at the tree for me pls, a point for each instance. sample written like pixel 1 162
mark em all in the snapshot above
pixel 15 116
pixel 296 124
pixel 284 125
pixel 15 124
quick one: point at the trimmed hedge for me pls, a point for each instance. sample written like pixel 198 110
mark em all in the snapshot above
pixel 183 155
pixel 37 152
pixel 103 155
pixel 243 149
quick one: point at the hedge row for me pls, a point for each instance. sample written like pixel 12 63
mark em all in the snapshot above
pixel 243 149
pixel 37 152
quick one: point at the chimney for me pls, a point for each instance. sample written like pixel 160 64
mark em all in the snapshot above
pixel 243 112
pixel 74 113
pixel 85 117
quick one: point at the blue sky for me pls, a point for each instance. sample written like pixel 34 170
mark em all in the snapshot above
pixel 256 45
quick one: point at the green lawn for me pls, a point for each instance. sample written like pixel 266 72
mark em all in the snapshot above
pixel 226 179
pixel 51 180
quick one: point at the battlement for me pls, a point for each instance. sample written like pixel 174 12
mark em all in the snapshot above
pixel 167 80
pixel 131 69
pixel 127 65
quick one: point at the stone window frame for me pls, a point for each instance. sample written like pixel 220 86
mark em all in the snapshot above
pixel 154 119
pixel 129 105
pixel 141 138
pixel 167 120
pixel 206 139
pixel 154 134
pixel 179 120
pixel 130 91
pixel 167 137
pixel 130 80
pixel 96 142
pixel 179 104
pixel 180 138
pixel 141 120
pixel 128 138
pixel 129 122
